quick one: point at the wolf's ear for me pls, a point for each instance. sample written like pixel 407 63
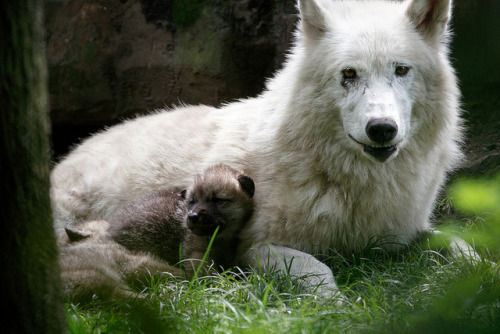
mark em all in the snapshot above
pixel 313 20
pixel 430 17
pixel 183 193
pixel 247 185
pixel 75 235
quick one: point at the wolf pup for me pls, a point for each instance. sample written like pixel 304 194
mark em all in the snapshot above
pixel 157 222
pixel 94 265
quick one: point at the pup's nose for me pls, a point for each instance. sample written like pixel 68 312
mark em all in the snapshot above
pixel 381 130
pixel 193 217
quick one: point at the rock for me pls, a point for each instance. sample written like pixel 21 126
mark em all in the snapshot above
pixel 110 60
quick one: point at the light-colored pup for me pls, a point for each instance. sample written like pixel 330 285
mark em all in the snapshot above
pixel 94 265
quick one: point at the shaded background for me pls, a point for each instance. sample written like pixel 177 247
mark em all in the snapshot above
pixel 110 60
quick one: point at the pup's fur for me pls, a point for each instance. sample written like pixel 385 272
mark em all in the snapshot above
pixel 108 259
pixel 324 178
pixel 158 222
pixel 220 197
pixel 93 265
pixel 153 223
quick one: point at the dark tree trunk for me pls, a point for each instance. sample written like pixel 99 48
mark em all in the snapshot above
pixel 29 266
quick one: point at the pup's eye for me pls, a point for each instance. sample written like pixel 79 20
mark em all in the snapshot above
pixel 220 201
pixel 402 70
pixel 349 73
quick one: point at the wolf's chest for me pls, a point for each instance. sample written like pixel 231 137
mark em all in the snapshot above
pixel 346 221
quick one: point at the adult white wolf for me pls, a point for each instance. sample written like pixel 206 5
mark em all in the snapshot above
pixel 352 139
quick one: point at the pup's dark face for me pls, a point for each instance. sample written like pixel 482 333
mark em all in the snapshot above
pixel 222 197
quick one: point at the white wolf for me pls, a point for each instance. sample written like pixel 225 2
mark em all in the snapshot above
pixel 351 140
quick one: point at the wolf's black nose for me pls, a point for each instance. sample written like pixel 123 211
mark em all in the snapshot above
pixel 193 217
pixel 381 130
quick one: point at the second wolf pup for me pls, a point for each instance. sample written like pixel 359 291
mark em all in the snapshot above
pixel 93 265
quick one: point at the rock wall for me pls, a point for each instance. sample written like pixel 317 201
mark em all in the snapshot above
pixel 109 59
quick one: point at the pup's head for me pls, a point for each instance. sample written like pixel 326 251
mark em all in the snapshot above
pixel 377 67
pixel 220 197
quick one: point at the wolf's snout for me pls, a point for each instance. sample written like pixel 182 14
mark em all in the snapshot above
pixel 193 217
pixel 381 130
pixel 202 223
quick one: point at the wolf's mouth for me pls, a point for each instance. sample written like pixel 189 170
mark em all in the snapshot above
pixel 381 153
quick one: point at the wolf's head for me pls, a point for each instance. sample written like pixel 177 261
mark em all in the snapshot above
pixel 376 70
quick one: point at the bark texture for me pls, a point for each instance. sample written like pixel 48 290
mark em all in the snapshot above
pixel 30 271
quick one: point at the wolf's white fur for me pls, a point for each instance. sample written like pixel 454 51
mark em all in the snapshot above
pixel 302 139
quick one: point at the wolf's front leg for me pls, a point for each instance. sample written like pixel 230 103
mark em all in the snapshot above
pixel 315 274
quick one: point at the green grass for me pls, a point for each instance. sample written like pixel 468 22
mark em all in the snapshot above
pixel 384 293
pixel 416 291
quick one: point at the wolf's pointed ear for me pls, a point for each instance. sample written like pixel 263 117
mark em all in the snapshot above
pixel 184 193
pixel 430 17
pixel 312 18
pixel 247 185
pixel 75 235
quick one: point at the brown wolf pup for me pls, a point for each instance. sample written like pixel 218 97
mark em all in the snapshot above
pixel 220 197
pixel 158 222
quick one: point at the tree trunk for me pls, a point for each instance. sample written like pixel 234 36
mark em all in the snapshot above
pixel 30 271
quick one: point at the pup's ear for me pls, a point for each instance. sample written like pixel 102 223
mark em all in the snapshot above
pixel 430 17
pixel 312 18
pixel 184 193
pixel 75 235
pixel 247 185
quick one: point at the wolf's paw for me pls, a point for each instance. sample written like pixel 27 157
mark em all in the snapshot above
pixel 328 294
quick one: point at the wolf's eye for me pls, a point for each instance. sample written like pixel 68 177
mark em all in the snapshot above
pixel 220 201
pixel 402 70
pixel 349 73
